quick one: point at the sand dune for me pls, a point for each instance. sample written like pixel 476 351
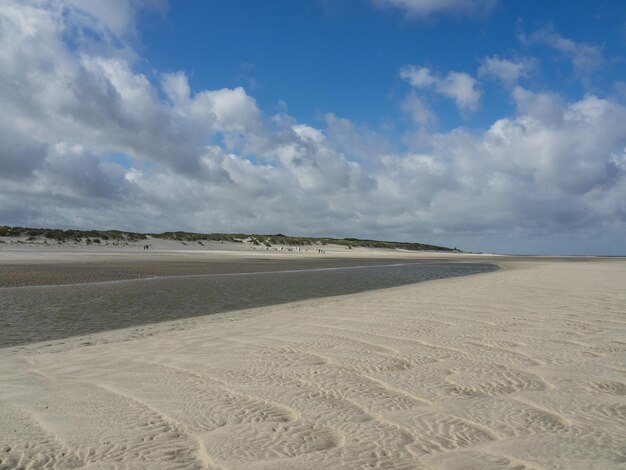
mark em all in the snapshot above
pixel 521 368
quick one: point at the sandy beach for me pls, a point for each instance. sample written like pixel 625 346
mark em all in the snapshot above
pixel 519 368
pixel 312 235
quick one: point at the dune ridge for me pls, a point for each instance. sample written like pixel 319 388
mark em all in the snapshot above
pixel 522 368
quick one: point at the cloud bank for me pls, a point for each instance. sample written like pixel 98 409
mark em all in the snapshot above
pixel 90 141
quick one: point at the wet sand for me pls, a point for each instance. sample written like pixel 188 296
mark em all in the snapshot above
pixel 65 273
pixel 519 368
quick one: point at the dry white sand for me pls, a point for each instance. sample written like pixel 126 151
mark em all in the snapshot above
pixel 19 250
pixel 521 368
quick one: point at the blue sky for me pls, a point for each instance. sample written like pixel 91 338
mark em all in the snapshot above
pixel 490 125
pixel 343 56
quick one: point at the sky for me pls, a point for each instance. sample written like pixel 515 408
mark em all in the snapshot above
pixel 487 125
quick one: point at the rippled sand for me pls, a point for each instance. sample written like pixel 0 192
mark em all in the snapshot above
pixel 520 368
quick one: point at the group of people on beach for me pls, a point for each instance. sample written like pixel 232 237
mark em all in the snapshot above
pixel 291 248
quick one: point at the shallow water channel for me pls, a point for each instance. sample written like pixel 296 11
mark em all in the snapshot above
pixel 38 313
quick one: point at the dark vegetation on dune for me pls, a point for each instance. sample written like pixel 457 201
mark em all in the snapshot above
pixel 119 236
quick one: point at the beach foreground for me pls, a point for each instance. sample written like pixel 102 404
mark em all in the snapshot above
pixel 520 368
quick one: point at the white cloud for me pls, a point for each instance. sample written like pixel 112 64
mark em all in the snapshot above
pixel 225 110
pixel 418 110
pixel 355 141
pixel 506 71
pixel 539 175
pixel 545 107
pixel 586 58
pixel 116 16
pixel 571 156
pixel 418 77
pixel 460 87
pixel 212 160
pixel 425 8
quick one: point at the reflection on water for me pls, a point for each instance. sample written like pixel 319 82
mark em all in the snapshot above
pixel 30 314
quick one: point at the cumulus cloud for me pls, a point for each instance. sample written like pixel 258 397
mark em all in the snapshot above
pixel 354 141
pixel 71 109
pixel 20 154
pixel 213 160
pixel 225 110
pixel 419 111
pixel 571 154
pixel 425 8
pixel 585 58
pixel 543 173
pixel 460 87
pixel 116 16
pixel 506 71
pixel 545 107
